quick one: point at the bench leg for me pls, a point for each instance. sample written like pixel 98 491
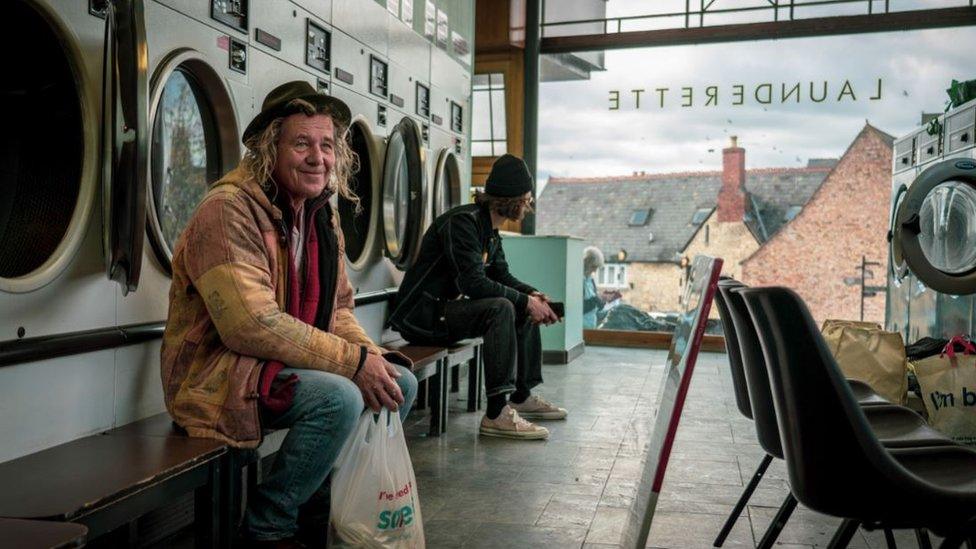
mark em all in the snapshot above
pixel 437 393
pixel 455 378
pixel 233 494
pixel 421 401
pixel 476 381
pixel 208 528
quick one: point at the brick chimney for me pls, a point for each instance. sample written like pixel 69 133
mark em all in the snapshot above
pixel 732 196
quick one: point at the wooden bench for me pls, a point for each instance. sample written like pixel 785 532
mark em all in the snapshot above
pixel 107 481
pixel 468 351
pixel 430 366
pixel 41 534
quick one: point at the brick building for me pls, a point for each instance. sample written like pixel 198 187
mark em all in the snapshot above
pixel 649 226
pixel 845 219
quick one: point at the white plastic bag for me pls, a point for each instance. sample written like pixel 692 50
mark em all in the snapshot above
pixel 374 491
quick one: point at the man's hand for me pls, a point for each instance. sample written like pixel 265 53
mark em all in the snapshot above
pixel 379 387
pixel 541 296
pixel 539 311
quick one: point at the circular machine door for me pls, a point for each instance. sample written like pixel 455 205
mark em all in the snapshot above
pixel 447 182
pixel 194 140
pixel 360 225
pixel 49 167
pixel 899 269
pixel 403 190
pixel 936 227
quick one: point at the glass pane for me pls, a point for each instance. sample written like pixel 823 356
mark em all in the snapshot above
pixel 500 147
pixel 481 148
pixel 948 220
pixel 180 154
pixel 498 80
pixel 481 122
pixel 498 114
pixel 480 81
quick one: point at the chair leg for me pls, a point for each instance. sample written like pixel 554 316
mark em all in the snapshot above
pixel 743 500
pixel 922 537
pixel 890 539
pixel 437 396
pixel 844 534
pixel 779 521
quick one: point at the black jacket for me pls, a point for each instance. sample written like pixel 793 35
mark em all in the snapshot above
pixel 460 255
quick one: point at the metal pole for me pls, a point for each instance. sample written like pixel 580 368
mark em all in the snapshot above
pixel 863 267
pixel 530 137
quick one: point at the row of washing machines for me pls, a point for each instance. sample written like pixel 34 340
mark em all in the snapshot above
pixel 116 117
pixel 184 77
pixel 932 260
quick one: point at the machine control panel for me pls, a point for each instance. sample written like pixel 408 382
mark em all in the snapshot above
pixel 381 115
pixel 317 47
pixel 457 118
pixel 344 76
pixel 237 56
pixel 425 132
pixel 904 153
pixel 232 13
pixel 423 100
pixel 321 86
pixel 378 77
pixel 457 145
pixel 268 39
pixel 396 100
pixel 436 119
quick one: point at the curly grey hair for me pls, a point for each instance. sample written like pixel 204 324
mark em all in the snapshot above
pixel 592 260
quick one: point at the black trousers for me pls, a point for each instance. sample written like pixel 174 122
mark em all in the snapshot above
pixel 512 351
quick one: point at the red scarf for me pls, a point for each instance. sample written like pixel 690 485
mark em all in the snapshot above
pixel 277 397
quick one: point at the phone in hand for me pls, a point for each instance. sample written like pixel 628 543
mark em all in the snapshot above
pixel 558 308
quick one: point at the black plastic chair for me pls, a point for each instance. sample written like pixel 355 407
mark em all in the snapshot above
pixel 836 463
pixel 896 426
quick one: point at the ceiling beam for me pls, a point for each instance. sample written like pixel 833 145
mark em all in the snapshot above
pixel 798 28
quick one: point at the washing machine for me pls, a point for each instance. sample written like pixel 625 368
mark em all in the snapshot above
pixel 198 101
pixel 451 122
pixel 52 269
pixel 899 277
pixel 936 227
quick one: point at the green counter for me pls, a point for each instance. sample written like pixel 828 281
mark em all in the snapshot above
pixel 554 265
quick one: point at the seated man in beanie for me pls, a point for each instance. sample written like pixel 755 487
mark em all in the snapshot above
pixel 261 332
pixel 460 287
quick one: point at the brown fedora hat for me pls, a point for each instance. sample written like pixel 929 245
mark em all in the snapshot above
pixel 276 106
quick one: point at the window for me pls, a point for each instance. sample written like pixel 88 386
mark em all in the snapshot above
pixel 612 275
pixel 639 218
pixel 488 137
pixel 792 212
pixel 700 216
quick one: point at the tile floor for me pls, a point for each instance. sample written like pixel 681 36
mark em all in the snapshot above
pixel 574 489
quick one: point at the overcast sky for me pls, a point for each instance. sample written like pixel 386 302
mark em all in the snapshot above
pixel 580 136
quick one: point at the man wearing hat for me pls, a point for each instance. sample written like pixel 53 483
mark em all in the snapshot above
pixel 261 332
pixel 460 287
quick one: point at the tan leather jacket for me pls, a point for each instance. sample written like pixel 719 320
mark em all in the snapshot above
pixel 226 315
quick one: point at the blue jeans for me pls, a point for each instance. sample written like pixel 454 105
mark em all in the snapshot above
pixel 325 409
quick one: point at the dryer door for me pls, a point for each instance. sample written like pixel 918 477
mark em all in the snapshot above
pixel 403 186
pixel 896 260
pixel 125 92
pixel 194 141
pixel 447 182
pixel 359 226
pixel 936 227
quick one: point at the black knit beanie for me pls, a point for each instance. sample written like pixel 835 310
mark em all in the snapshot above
pixel 509 177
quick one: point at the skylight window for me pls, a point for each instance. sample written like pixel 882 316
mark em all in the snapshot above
pixel 792 212
pixel 700 216
pixel 639 218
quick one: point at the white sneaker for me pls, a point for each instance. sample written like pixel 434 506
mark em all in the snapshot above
pixel 536 407
pixel 508 424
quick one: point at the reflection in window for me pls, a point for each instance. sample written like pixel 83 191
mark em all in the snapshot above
pixel 700 216
pixel 183 158
pixel 792 212
pixel 488 137
pixel 639 218
pixel 612 276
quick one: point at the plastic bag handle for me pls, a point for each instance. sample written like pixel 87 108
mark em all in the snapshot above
pixel 950 348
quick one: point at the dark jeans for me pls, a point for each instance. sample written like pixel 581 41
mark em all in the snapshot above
pixel 513 346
